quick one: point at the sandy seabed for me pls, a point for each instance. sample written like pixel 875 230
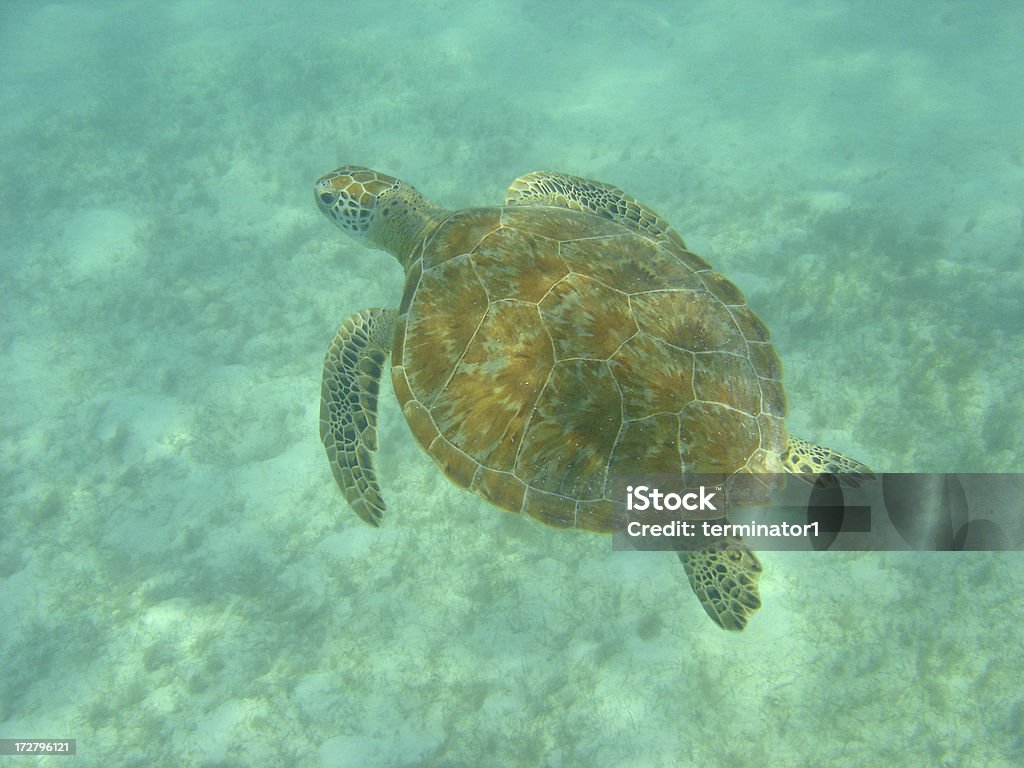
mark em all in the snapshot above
pixel 180 581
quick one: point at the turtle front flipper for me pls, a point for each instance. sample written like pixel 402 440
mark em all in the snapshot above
pixel 724 576
pixel 816 464
pixel 348 406
pixel 604 200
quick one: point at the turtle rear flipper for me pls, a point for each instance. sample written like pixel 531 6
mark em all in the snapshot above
pixel 724 576
pixel 818 465
pixel 348 407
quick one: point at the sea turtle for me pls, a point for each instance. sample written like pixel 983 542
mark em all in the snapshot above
pixel 544 346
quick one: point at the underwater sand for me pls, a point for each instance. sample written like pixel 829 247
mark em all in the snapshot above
pixel 182 583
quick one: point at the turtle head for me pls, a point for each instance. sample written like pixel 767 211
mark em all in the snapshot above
pixel 380 209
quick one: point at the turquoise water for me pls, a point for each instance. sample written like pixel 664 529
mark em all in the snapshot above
pixel 182 583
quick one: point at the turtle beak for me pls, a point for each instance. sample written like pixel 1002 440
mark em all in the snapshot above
pixel 326 194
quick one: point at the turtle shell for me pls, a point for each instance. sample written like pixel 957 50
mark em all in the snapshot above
pixel 540 352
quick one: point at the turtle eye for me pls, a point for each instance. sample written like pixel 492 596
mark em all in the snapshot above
pixel 327 198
